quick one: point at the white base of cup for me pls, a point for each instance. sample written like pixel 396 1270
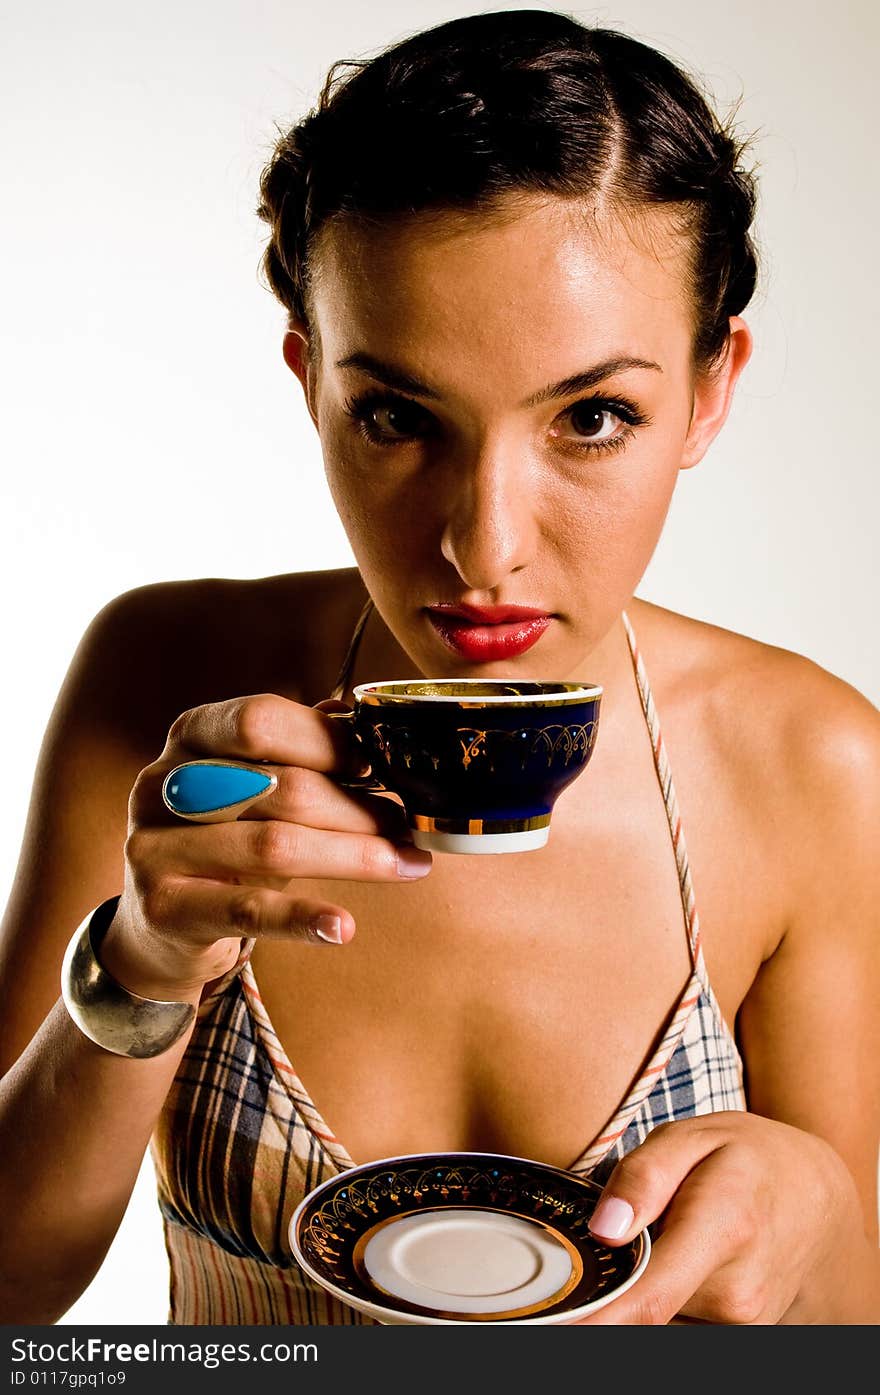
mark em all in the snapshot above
pixel 481 842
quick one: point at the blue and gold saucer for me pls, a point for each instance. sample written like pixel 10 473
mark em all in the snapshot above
pixel 439 1238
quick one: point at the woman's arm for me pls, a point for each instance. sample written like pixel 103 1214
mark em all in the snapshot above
pixel 74 1123
pixel 810 1026
pixel 772 1216
pixel 74 1120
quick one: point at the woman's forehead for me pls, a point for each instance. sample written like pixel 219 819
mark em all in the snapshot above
pixel 528 281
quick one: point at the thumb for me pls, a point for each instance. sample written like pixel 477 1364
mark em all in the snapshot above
pixel 332 705
pixel 644 1182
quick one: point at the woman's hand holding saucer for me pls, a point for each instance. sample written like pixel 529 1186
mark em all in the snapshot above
pixel 754 1217
pixel 200 878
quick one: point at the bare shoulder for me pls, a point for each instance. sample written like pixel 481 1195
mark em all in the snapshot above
pixel 158 649
pixel 148 655
pixel 780 762
pixel 784 728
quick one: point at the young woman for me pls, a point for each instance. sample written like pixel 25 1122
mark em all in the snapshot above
pixel 514 253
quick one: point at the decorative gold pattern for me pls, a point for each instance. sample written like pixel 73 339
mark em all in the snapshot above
pixel 427 823
pixel 572 742
pixel 474 746
pixel 475 693
pixel 330 1231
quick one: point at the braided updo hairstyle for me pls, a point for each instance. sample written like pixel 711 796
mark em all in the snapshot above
pixel 517 101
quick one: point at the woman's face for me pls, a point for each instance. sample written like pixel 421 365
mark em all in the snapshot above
pixel 504 405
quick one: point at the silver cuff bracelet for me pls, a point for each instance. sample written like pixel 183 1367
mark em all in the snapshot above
pixel 104 1011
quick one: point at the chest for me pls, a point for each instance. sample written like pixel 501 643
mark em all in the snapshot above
pixel 504 1003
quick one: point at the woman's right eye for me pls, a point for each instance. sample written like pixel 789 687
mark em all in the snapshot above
pixel 388 420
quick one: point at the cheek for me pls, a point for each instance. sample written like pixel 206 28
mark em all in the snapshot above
pixel 628 497
pixel 387 525
pixel 372 490
pixel 348 483
pixel 612 516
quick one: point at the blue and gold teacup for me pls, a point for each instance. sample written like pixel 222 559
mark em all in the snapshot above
pixel 477 763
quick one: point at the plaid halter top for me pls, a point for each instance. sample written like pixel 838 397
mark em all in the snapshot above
pixel 239 1142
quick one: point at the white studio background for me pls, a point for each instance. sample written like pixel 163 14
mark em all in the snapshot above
pixel 150 429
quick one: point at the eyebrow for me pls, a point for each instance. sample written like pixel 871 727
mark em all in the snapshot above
pixel 395 377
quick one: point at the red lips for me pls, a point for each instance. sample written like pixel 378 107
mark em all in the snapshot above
pixel 485 634
pixel 490 614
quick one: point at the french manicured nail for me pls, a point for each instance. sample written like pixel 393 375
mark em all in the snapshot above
pixel 612 1218
pixel 329 928
pixel 200 788
pixel 413 862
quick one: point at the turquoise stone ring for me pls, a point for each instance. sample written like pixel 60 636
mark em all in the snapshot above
pixel 214 791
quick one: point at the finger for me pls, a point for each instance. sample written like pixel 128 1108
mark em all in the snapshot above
pixel 298 796
pixel 321 801
pixel 674 1273
pixel 644 1182
pixel 217 911
pixel 263 728
pixel 272 851
pixel 698 1240
pixel 363 779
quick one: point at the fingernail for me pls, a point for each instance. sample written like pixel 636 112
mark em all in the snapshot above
pixel 413 862
pixel 329 928
pixel 200 788
pixel 612 1218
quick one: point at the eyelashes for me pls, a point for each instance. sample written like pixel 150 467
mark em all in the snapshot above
pixel 407 421
pixel 363 408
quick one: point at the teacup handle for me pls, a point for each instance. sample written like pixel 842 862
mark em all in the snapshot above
pixel 368 783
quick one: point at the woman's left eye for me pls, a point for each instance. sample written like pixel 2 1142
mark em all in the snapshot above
pixel 595 423
pixel 384 419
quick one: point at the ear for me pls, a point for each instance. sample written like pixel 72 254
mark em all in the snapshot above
pixel 299 359
pixel 713 394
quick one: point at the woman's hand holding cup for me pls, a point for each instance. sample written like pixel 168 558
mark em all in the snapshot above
pixel 198 882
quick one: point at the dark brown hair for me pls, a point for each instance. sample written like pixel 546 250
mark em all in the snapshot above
pixel 517 101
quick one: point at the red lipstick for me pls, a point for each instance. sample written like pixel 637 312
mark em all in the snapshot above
pixel 485 634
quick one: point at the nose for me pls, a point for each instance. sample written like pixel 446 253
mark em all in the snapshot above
pixel 491 528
